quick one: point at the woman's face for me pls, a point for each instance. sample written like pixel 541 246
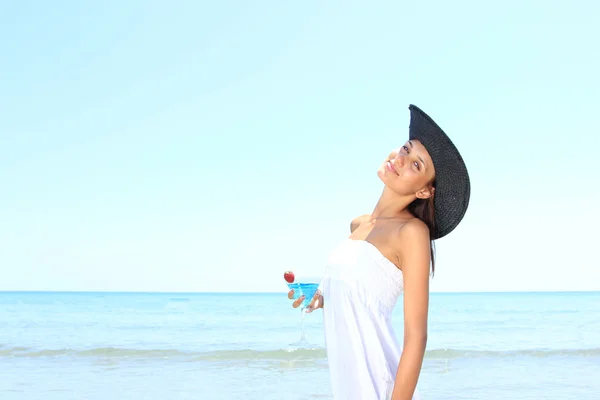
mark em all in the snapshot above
pixel 408 170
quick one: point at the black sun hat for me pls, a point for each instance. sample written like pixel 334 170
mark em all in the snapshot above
pixel 452 184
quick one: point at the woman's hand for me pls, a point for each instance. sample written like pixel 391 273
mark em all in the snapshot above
pixel 315 303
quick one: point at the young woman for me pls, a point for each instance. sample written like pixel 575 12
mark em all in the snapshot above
pixel 390 252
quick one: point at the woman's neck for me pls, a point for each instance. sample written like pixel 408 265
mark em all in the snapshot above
pixel 391 205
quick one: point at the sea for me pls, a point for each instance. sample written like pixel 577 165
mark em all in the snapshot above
pixel 167 346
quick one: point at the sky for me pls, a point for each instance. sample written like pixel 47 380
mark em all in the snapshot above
pixel 210 146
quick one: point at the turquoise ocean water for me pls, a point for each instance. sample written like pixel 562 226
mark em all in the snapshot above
pixel 225 346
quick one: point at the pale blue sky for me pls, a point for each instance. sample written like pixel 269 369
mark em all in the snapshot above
pixel 209 146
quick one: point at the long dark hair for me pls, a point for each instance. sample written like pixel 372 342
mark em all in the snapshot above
pixel 425 211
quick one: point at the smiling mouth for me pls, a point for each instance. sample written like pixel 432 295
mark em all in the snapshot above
pixel 391 167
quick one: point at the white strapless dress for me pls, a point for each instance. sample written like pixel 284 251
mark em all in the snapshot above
pixel 360 288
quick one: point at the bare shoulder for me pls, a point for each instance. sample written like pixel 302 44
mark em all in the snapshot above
pixel 412 243
pixel 415 229
pixel 358 221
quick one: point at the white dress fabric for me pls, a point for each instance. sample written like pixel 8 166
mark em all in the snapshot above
pixel 360 289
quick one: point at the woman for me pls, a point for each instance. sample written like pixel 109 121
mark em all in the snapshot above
pixel 390 251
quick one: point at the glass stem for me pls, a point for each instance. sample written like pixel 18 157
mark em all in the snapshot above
pixel 302 337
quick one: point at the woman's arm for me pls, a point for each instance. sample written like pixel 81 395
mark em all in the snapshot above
pixel 414 250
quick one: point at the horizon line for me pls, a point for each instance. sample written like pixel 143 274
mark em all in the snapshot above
pixel 284 291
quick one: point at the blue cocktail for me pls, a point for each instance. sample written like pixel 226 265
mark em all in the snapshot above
pixel 308 290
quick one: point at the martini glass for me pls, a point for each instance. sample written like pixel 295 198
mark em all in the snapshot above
pixel 306 287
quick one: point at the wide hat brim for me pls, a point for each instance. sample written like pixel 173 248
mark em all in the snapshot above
pixel 453 186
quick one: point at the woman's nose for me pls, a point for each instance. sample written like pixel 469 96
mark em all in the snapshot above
pixel 399 160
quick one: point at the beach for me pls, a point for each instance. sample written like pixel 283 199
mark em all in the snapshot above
pixel 71 345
